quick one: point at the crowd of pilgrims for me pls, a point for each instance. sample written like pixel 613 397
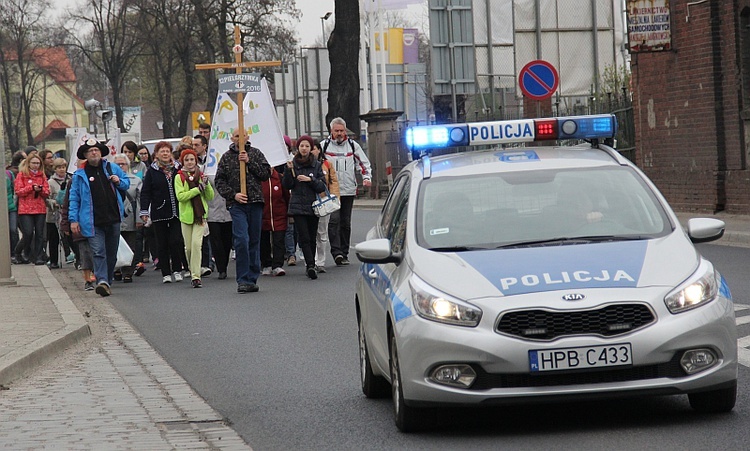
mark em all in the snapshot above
pixel 38 183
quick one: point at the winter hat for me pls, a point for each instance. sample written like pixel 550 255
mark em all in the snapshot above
pixel 91 143
pixel 187 152
pixel 287 141
pixel 307 138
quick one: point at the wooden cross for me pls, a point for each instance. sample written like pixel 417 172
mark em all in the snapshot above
pixel 238 65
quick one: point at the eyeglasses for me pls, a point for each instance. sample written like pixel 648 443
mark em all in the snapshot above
pixel 122 164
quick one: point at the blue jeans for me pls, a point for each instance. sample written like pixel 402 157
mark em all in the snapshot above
pixel 290 241
pixel 104 246
pixel 247 220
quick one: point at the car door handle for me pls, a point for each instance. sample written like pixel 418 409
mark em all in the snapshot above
pixel 372 273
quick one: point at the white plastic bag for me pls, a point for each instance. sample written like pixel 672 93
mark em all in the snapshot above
pixel 124 254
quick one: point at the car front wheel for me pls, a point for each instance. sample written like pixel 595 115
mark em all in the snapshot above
pixel 372 386
pixel 406 417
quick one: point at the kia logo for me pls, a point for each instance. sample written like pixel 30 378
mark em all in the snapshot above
pixel 573 297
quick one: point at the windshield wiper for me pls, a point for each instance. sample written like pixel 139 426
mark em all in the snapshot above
pixel 457 249
pixel 572 240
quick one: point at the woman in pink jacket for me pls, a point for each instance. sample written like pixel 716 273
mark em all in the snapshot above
pixel 32 189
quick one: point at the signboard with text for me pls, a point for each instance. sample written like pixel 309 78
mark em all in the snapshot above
pixel 649 26
pixel 230 83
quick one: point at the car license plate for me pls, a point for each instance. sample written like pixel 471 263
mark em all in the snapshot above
pixel 580 358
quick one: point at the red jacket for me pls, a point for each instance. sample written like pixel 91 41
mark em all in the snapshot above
pixel 31 202
pixel 276 201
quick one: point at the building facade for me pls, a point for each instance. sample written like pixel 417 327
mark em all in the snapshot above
pixel 691 98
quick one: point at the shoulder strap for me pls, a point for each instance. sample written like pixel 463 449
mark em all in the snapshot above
pixel 351 144
pixel 325 144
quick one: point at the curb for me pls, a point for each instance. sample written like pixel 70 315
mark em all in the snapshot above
pixel 20 362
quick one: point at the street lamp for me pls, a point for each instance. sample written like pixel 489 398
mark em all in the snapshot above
pixel 323 27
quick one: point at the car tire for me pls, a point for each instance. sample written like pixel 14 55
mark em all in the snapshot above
pixel 372 386
pixel 407 418
pixel 715 401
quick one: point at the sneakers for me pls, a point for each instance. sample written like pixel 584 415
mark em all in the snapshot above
pixel 70 258
pixel 205 272
pixel 54 266
pixel 320 269
pixel 265 271
pixel 291 261
pixel 222 275
pixel 196 283
pixel 166 279
pixel 276 272
pixel 177 276
pixel 127 278
pixel 247 288
pixel 103 289
pixel 345 261
pixel 311 273
pixel 88 286
pixel 140 268
pixel 118 275
pixel 339 259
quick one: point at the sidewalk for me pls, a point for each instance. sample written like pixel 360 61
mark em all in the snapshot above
pixel 112 392
pixel 38 321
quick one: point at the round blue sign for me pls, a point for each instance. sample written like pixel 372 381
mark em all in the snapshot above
pixel 538 80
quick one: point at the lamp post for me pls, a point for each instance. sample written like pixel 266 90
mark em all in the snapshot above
pixel 323 27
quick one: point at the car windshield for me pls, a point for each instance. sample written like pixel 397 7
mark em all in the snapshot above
pixel 535 208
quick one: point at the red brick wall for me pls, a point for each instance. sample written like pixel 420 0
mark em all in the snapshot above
pixel 689 135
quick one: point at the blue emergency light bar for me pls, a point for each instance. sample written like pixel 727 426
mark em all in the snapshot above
pixel 599 126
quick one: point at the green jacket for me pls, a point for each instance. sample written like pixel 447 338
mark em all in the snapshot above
pixel 185 196
pixel 11 191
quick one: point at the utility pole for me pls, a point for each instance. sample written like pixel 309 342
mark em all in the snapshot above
pixel 6 278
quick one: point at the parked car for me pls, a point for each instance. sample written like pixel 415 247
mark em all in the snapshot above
pixel 542 273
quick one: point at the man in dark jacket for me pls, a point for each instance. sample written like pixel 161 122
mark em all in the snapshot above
pixel 246 209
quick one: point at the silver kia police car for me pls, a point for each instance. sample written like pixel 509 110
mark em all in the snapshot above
pixel 525 273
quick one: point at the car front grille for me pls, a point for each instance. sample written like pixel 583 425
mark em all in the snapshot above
pixel 608 321
pixel 486 381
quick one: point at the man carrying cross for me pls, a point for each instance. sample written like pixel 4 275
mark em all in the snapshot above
pixel 246 208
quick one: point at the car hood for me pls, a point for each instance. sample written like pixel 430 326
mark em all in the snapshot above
pixel 663 261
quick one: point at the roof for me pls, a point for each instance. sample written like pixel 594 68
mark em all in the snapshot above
pixel 56 124
pixel 55 61
pixel 500 160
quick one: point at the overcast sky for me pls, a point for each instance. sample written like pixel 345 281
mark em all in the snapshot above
pixel 308 30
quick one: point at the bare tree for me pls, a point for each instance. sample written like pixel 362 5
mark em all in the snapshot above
pixel 21 37
pixel 343 54
pixel 109 41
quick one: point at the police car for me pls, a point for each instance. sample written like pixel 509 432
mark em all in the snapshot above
pixel 533 273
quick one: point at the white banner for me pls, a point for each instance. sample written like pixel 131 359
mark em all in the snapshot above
pixel 374 5
pixel 261 125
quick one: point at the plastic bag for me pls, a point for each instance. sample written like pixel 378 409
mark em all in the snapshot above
pixel 124 254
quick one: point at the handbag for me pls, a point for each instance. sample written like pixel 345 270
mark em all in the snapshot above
pixel 124 254
pixel 324 206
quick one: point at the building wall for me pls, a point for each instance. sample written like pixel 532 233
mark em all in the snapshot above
pixel 687 105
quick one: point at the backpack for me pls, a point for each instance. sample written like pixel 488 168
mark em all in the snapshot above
pixel 328 141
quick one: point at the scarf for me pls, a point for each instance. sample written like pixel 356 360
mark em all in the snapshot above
pixel 194 181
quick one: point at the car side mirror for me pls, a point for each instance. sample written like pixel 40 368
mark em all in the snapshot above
pixel 377 251
pixel 703 230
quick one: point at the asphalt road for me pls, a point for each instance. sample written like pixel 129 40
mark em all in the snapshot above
pixel 281 365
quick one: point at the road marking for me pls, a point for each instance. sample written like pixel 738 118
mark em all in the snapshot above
pixel 743 343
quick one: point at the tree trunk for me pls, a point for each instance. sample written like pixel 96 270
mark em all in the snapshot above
pixel 343 54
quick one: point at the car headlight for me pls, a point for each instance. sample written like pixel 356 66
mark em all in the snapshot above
pixel 701 288
pixel 435 306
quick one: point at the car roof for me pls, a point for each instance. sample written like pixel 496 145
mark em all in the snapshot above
pixel 501 160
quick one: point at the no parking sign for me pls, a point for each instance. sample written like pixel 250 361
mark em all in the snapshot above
pixel 538 80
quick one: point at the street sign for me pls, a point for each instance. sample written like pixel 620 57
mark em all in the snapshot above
pixel 538 80
pixel 239 83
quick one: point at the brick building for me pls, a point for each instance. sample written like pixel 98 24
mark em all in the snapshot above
pixel 691 105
